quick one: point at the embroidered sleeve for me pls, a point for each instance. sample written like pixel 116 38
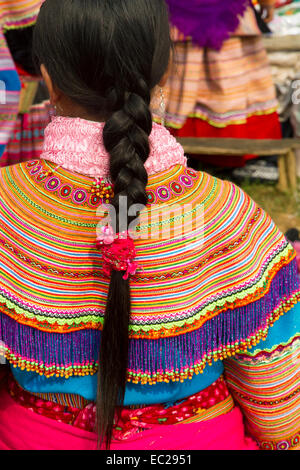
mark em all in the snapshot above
pixel 10 87
pixel 265 382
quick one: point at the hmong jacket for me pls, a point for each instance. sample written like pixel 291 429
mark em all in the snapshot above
pixel 214 275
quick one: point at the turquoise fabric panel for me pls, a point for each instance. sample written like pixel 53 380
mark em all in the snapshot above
pixel 136 394
pixel 283 330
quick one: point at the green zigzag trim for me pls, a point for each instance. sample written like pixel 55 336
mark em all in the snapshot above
pixel 255 352
pixel 50 214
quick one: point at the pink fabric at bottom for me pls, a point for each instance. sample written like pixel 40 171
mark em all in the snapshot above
pixel 22 429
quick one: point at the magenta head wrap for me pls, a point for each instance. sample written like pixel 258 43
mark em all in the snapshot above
pixel 208 22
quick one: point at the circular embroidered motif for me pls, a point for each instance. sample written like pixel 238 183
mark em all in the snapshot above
pixel 284 445
pixel 176 188
pixel 27 134
pixel 295 440
pixel 31 164
pixel 191 173
pixel 100 193
pixel 151 197
pixel 36 170
pixel 186 181
pixel 267 446
pixel 53 184
pixel 94 200
pixel 41 177
pixel 65 191
pixel 79 196
pixel 163 193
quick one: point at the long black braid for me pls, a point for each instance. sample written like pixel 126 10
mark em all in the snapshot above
pixel 107 56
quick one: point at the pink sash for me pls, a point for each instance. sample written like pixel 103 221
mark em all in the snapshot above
pixel 22 429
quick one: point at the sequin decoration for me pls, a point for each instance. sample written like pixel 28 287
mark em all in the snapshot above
pixel 102 190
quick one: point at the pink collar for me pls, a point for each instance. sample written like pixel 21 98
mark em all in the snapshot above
pixel 77 145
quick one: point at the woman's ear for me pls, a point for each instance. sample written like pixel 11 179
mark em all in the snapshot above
pixel 54 95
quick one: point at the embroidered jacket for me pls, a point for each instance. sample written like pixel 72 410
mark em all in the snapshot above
pixel 215 272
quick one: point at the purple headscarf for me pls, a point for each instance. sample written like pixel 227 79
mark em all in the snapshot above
pixel 207 22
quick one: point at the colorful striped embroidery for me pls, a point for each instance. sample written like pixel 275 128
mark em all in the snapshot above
pixel 92 195
pixel 286 444
pixel 267 390
pixel 18 13
pixel 42 173
pixel 202 303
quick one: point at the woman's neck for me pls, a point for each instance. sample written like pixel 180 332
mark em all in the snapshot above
pixel 80 113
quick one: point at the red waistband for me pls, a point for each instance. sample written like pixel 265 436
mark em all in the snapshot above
pixel 131 420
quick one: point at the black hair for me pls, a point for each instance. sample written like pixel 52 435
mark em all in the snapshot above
pixel 107 56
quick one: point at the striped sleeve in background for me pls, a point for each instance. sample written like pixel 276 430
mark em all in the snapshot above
pixel 10 87
pixel 265 382
pixel 14 14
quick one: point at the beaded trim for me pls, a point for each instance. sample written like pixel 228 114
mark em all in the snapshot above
pixel 225 351
pixel 266 356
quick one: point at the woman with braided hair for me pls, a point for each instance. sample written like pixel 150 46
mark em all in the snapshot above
pixel 135 293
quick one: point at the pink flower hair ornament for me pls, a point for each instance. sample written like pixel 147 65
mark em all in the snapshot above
pixel 118 252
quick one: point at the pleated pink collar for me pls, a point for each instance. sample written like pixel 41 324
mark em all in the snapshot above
pixel 77 145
